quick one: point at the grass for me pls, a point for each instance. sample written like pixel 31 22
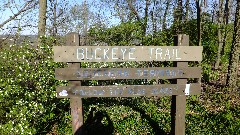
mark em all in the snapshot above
pixel 213 112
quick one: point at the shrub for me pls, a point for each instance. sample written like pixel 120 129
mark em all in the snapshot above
pixel 27 89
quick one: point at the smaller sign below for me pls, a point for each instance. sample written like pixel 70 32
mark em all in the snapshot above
pixel 127 73
pixel 127 90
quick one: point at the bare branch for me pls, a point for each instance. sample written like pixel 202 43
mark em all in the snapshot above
pixel 134 10
pixel 25 8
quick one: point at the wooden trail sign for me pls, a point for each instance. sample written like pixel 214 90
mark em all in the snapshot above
pixel 128 90
pixel 180 53
pixel 126 73
pixel 126 53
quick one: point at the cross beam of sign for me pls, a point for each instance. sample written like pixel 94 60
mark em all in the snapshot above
pixel 126 53
pixel 126 73
pixel 128 90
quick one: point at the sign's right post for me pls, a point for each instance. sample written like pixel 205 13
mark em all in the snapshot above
pixel 178 106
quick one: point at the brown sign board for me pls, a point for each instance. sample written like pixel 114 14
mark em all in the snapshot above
pixel 126 53
pixel 127 73
pixel 128 90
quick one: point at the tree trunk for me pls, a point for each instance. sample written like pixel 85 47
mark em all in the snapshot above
pixel 120 13
pixel 154 26
pixel 234 55
pixel 198 22
pixel 55 19
pixel 42 17
pixel 187 10
pixel 178 17
pixel 220 35
pixel 226 16
pixel 164 25
pixel 145 18
pixel 214 8
pixel 85 21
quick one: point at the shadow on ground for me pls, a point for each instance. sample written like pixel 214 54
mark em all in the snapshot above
pixel 94 126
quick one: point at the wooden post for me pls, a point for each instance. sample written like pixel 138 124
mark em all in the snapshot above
pixel 72 39
pixel 178 107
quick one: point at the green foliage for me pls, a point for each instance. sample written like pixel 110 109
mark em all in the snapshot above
pixel 27 89
pixel 133 115
pixel 209 42
pixel 209 38
pixel 123 34
pixel 28 104
pixel 213 113
pixel 200 119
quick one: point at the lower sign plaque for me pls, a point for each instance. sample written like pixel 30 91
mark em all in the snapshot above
pixel 127 90
pixel 127 73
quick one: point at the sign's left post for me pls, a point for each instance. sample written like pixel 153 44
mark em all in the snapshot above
pixel 72 39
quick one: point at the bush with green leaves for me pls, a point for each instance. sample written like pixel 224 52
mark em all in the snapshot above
pixel 28 104
pixel 123 34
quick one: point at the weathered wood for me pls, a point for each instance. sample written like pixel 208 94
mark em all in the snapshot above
pixel 72 39
pixel 126 53
pixel 126 73
pixel 181 52
pixel 126 90
pixel 77 115
pixel 178 107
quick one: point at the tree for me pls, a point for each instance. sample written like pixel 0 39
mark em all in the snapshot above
pixel 139 19
pixel 53 19
pixel 79 18
pixel 16 16
pixel 213 12
pixel 164 25
pixel 199 20
pixel 234 55
pixel 178 18
pixel 57 16
pixel 42 17
pixel 226 20
pixel 220 33
pixel 187 10
pixel 27 6
pixel 125 33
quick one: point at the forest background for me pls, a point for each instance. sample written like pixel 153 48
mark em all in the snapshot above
pixel 29 29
